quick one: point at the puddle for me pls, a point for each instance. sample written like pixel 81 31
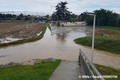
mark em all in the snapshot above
pixel 56 43
pixel 8 39
pixel 39 33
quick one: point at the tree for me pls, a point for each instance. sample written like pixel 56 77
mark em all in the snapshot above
pixel 61 14
pixel 47 16
pixel 20 17
pixel 27 17
pixel 118 21
pixel 83 17
pixel 7 16
pixel 103 18
pixel 73 18
pixel 89 19
pixel 106 17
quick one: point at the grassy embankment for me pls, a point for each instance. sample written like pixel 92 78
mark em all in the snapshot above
pixel 49 27
pixel 109 27
pixel 108 71
pixel 39 71
pixel 109 44
pixel 26 40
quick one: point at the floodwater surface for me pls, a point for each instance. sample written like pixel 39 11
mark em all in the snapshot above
pixel 57 43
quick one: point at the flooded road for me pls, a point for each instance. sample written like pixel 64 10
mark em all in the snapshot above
pixel 57 43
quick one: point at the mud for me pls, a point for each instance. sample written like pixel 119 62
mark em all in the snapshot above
pixel 112 33
pixel 12 31
pixel 99 32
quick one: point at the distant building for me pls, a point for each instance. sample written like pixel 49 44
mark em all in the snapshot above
pixel 73 23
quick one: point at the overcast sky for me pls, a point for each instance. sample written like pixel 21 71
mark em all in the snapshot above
pixel 48 6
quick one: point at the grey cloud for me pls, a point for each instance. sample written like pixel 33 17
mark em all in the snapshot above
pixel 48 6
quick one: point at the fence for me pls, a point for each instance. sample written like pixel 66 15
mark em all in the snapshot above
pixel 88 68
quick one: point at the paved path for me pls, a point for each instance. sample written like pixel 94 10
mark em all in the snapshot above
pixel 67 71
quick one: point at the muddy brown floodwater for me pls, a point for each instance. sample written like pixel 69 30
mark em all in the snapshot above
pixel 57 43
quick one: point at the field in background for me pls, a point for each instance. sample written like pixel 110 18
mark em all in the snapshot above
pixel 32 32
pixel 20 29
pixel 109 27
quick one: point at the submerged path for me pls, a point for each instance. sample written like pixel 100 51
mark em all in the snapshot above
pixel 67 71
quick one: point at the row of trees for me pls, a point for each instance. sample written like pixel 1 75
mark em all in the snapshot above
pixel 23 17
pixel 103 18
pixel 6 16
pixel 14 17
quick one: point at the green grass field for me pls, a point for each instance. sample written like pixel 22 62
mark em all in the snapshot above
pixel 41 71
pixel 109 44
pixel 110 27
pixel 26 40
pixel 108 71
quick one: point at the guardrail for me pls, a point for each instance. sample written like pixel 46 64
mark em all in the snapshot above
pixel 88 67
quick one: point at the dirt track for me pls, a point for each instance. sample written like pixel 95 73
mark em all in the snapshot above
pixel 19 29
